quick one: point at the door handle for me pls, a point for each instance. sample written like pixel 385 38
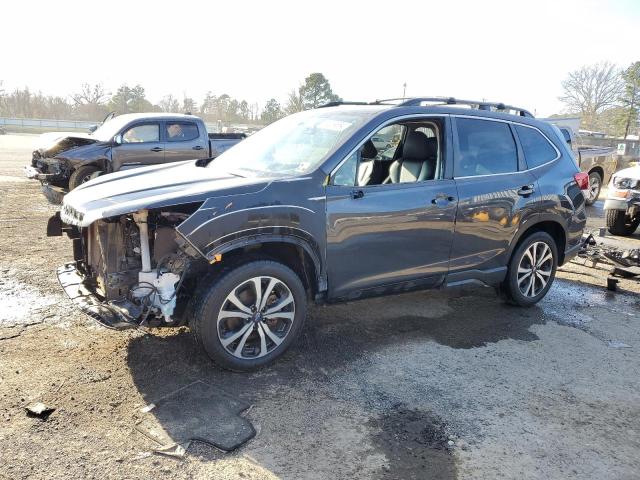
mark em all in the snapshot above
pixel 442 200
pixel 157 149
pixel 355 194
pixel 197 147
pixel 526 190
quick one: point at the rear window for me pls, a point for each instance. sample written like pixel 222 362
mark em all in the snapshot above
pixel 181 131
pixel 537 149
pixel 485 148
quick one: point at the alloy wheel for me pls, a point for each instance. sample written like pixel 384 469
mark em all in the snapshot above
pixel 534 269
pixel 594 187
pixel 256 317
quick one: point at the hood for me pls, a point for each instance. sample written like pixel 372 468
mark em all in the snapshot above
pixel 631 172
pixel 151 187
pixel 53 143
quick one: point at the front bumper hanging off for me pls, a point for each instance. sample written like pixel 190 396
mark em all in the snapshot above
pixel 52 193
pixel 110 315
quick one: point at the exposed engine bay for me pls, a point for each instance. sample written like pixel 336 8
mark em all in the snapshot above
pixel 135 265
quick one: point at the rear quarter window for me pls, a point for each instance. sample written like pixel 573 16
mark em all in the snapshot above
pixel 537 149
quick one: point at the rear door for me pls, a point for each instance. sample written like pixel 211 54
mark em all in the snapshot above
pixel 141 145
pixel 184 141
pixel 497 196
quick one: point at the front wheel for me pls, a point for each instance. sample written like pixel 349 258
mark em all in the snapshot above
pixel 619 223
pixel 532 269
pixel 82 175
pixel 250 315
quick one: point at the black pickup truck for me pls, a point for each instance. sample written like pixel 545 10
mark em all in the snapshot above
pixel 65 160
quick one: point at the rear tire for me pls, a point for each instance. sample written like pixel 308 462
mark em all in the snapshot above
pixel 619 223
pixel 532 269
pixel 82 175
pixel 231 319
pixel 595 185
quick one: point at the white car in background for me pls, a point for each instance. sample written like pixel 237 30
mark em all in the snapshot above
pixel 622 206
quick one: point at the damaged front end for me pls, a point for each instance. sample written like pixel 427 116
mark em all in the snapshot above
pixel 52 162
pixel 129 269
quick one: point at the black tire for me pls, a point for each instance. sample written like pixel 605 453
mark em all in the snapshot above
pixel 81 175
pixel 595 185
pixel 510 286
pixel 212 296
pixel 619 223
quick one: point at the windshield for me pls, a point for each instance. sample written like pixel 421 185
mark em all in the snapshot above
pixel 295 145
pixel 110 128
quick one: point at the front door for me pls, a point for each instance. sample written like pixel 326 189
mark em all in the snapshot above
pixel 140 146
pixel 388 236
pixel 184 141
pixel 391 232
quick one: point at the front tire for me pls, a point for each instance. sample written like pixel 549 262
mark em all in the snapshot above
pixel 249 315
pixel 82 175
pixel 619 223
pixel 532 269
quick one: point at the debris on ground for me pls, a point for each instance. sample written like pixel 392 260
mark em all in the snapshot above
pixel 625 263
pixel 176 450
pixel 198 411
pixel 39 410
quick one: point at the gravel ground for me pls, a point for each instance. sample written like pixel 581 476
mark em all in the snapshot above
pixel 443 385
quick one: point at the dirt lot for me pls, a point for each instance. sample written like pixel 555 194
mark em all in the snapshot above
pixel 449 385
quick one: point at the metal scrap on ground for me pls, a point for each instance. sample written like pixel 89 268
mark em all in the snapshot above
pixel 625 262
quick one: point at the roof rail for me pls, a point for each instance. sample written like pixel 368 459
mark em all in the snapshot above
pixel 479 104
pixel 417 101
pixel 342 102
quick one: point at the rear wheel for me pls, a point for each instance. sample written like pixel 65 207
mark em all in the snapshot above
pixel 250 315
pixel 82 175
pixel 595 185
pixel 532 269
pixel 619 223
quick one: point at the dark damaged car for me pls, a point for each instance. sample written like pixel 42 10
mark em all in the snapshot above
pixel 309 209
pixel 65 160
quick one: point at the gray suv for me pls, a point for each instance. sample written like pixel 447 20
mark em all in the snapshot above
pixel 308 209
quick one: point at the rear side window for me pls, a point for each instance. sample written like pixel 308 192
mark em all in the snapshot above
pixel 537 149
pixel 181 131
pixel 485 148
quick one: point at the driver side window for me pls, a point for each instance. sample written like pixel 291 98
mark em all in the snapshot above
pixel 404 152
pixel 142 133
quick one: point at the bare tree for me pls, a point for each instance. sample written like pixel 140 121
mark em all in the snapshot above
pixel 592 89
pixel 90 95
pixel 169 103
pixel 189 104
pixel 295 102
pixel 90 102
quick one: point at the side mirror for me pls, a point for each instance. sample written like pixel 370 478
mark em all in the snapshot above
pixel 117 140
pixel 93 128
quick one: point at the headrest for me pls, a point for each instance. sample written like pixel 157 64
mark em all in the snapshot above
pixel 369 150
pixel 419 147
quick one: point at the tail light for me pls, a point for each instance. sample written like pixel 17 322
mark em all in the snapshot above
pixel 582 179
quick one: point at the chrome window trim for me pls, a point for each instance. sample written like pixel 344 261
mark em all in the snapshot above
pixel 374 130
pixel 511 122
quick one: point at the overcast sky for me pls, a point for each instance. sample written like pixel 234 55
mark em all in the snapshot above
pixel 513 51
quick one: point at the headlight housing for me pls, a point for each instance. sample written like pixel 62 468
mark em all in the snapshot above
pixel 625 183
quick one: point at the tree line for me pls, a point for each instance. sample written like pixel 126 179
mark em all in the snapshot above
pixel 605 96
pixel 92 103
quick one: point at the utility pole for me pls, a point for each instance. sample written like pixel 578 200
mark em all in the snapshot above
pixel 404 90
